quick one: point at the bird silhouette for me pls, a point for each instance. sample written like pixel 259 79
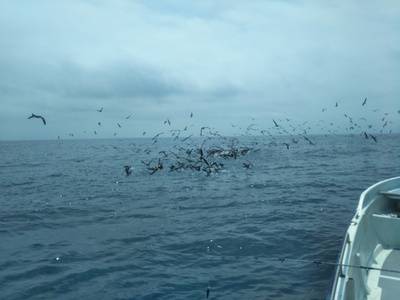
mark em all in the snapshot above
pixel 202 128
pixel 128 170
pixel 37 117
pixel 247 165
pixel 364 102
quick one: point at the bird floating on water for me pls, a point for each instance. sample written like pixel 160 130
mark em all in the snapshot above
pixel 128 170
pixel 100 110
pixel 247 165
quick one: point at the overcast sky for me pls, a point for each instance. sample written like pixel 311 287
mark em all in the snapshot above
pixel 227 61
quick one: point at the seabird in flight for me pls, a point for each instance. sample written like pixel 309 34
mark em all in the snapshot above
pixel 186 138
pixel 202 128
pixel 308 140
pixel 38 117
pixel 157 135
pixel 365 101
pixel 156 168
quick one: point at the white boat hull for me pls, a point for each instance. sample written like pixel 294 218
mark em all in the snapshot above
pixel 369 264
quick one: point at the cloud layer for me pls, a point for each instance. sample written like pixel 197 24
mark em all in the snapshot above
pixel 226 60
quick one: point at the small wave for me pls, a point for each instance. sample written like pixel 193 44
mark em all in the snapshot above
pixel 14 184
pixel 34 273
pixel 55 175
pixel 127 241
pixel 206 207
pixel 24 165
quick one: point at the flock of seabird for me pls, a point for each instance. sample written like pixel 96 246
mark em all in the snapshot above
pixel 204 153
pixel 190 153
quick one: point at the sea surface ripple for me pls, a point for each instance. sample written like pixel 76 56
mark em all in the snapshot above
pixel 72 225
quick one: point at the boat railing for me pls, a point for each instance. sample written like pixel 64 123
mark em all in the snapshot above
pixel 345 255
pixel 373 191
pixel 340 272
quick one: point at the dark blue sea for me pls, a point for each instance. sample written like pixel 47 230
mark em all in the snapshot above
pixel 74 226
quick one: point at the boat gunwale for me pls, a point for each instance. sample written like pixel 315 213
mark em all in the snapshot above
pixel 362 205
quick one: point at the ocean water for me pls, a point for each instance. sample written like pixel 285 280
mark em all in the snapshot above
pixel 72 225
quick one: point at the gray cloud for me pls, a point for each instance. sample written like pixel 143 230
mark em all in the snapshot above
pixel 164 58
pixel 69 80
